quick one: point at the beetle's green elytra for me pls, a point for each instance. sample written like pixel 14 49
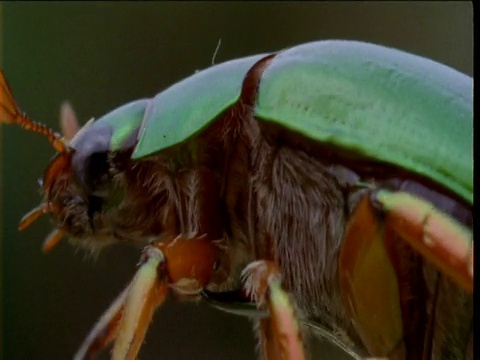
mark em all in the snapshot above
pixel 187 107
pixel 125 122
pixel 376 102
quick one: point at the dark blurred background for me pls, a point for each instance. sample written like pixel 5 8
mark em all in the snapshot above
pixel 100 55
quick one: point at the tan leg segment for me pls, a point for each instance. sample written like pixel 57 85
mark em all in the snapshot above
pixel 280 334
pixel 372 288
pixel 184 264
pixel 368 283
pixel 104 331
pixel 435 235
pixel 127 319
pixel 148 289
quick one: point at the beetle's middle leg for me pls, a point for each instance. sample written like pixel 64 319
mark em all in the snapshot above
pixel 280 334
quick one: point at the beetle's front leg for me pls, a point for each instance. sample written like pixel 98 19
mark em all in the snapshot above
pixel 105 330
pixel 183 264
pixel 127 318
pixel 280 334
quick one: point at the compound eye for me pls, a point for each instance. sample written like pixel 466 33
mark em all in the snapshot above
pixel 96 174
pixel 96 183
pixel 89 158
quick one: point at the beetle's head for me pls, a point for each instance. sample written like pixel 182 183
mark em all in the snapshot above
pixel 87 183
pixel 78 186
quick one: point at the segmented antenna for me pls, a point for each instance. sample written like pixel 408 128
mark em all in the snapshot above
pixel 11 114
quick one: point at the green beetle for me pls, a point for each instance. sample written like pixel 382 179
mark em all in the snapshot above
pixel 330 183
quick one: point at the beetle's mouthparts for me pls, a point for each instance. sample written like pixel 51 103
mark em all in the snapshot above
pixel 55 236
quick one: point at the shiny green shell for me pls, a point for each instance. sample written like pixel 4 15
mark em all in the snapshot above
pixel 376 102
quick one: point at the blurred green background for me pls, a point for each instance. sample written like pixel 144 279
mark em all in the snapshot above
pixel 101 55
